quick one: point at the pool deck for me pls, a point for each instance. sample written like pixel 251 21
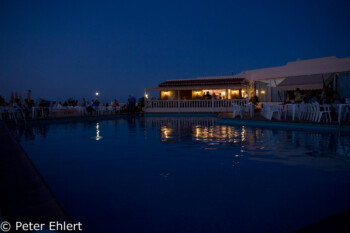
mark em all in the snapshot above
pixel 24 195
pixel 259 121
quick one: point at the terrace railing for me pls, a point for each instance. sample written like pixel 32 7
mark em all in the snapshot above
pixel 194 106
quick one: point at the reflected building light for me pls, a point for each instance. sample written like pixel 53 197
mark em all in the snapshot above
pixel 165 132
pixel 98 137
pixel 243 134
pixel 197 132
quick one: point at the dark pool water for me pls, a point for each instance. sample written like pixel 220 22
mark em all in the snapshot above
pixel 190 174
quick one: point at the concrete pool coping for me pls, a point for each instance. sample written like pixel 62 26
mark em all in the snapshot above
pixel 25 196
pixel 180 115
pixel 74 119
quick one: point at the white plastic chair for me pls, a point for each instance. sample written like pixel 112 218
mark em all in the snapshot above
pixel 238 110
pixel 111 109
pixel 301 111
pixel 323 110
pixel 312 112
pixel 101 110
pixel 268 111
pixel 117 109
pixel 277 110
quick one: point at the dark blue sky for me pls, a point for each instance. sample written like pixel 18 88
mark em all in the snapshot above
pixel 62 49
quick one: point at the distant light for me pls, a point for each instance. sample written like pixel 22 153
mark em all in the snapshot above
pixel 146 95
pixel 97 93
pixel 243 91
pixel 263 92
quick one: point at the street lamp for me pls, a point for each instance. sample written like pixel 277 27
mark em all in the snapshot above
pixel 97 94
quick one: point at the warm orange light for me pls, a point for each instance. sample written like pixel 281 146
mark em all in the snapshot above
pixel 235 91
pixel 262 91
pixel 165 133
pixel 166 92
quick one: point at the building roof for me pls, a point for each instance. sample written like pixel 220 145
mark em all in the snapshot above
pixel 305 82
pixel 294 69
pixel 201 82
pixel 298 68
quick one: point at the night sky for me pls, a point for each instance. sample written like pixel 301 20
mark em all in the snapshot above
pixel 62 49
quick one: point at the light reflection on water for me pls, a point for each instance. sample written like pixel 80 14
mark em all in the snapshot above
pixel 97 137
pixel 260 144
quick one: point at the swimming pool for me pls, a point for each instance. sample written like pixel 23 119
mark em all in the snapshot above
pixel 190 174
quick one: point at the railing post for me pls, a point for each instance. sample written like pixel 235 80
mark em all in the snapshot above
pixel 178 100
pixel 212 102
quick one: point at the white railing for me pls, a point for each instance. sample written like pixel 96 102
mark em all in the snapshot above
pixel 193 105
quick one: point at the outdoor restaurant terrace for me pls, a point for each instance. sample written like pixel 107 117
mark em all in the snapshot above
pixel 211 95
pixel 292 89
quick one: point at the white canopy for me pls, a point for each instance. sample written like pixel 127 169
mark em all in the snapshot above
pixel 304 82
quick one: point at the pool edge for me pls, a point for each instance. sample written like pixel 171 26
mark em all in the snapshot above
pixel 285 125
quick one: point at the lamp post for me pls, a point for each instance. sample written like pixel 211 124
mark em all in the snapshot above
pixel 145 100
pixel 97 94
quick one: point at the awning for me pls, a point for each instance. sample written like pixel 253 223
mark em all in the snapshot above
pixel 305 82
